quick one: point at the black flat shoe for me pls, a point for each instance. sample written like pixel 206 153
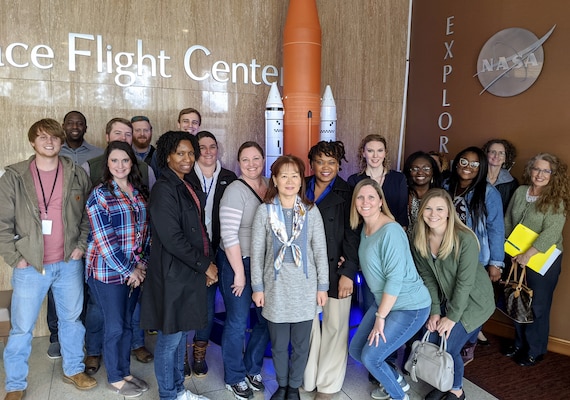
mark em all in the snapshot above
pixel 529 361
pixel 293 394
pixel 280 394
pixel 485 342
pixel 451 396
pixel 435 395
pixel 512 351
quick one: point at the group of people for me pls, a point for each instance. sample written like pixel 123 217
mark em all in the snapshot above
pixel 429 243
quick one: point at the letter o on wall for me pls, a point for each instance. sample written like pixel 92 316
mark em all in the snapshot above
pixel 446 118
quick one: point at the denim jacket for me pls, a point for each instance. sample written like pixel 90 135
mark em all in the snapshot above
pixel 490 230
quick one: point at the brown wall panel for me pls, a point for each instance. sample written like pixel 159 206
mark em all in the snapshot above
pixel 535 120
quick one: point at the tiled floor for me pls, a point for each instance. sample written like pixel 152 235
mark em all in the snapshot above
pixel 45 381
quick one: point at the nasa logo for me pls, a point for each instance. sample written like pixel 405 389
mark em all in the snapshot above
pixel 511 61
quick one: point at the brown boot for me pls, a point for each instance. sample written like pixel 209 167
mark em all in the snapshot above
pixel 17 395
pixel 187 368
pixel 200 367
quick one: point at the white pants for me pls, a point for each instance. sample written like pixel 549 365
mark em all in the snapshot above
pixel 328 351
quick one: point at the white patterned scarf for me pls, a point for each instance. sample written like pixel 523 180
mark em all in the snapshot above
pixel 277 223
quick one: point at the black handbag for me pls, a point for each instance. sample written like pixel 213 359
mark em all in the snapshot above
pixel 431 363
pixel 518 297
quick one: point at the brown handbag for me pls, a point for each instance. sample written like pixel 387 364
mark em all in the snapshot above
pixel 518 296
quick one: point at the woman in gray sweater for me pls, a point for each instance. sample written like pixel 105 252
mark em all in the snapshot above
pixel 289 270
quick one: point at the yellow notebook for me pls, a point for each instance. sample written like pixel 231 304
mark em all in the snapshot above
pixel 541 262
pixel 521 239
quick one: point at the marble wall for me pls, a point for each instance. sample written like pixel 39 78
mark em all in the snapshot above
pixel 363 59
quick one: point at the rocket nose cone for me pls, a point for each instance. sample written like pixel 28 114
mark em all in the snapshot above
pixel 274 98
pixel 328 99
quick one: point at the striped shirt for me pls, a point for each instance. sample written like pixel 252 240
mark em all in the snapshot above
pixel 119 226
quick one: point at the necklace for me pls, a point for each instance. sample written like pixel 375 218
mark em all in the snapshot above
pixel 462 193
pixel 379 177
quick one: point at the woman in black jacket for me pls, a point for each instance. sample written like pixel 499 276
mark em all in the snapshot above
pixel 328 353
pixel 181 263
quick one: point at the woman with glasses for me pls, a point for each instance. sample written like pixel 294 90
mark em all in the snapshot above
pixel 540 204
pixel 478 205
pixel 422 173
pixel 501 157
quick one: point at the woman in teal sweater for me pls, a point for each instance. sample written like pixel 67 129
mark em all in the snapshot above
pixel 446 255
pixel 541 204
pixel 401 300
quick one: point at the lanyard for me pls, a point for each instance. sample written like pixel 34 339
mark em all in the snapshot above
pixel 46 203
pixel 210 188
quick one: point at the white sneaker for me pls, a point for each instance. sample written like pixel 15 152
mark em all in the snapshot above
pixel 188 395
pixel 381 394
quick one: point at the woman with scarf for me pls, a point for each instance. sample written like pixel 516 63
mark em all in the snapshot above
pixel 289 270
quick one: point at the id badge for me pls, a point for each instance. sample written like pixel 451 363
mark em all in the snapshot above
pixel 46 226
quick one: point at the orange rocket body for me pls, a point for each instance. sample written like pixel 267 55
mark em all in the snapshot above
pixel 301 78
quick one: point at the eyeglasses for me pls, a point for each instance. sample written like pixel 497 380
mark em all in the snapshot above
pixel 465 162
pixel 417 169
pixel 496 153
pixel 544 171
pixel 139 118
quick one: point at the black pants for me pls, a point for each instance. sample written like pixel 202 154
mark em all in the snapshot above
pixel 534 336
pixel 52 318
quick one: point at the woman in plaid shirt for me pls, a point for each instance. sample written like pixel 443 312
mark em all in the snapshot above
pixel 116 259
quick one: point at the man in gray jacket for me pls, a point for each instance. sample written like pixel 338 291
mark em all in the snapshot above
pixel 43 232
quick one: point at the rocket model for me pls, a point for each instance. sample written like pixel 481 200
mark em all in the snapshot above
pixel 301 78
pixel 273 127
pixel 328 116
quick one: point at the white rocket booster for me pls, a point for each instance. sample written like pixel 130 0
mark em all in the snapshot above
pixel 328 116
pixel 273 127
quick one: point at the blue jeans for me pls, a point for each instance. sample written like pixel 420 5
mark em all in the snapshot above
pixel 29 289
pixel 237 315
pixel 457 339
pixel 204 334
pixel 93 326
pixel 117 305
pixel 138 334
pixel 400 326
pixel 169 364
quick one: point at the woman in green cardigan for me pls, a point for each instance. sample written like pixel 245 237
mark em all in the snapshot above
pixel 446 253
pixel 541 204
